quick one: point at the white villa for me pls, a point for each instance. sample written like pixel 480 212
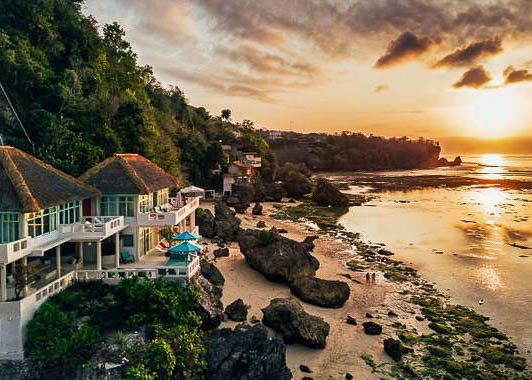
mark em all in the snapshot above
pixel 55 229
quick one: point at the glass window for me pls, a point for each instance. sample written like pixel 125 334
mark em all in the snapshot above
pixel 117 205
pixel 9 227
pixel 146 203
pixel 127 241
pixel 42 222
pixel 70 213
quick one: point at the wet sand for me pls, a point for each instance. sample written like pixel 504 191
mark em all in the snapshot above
pixel 346 343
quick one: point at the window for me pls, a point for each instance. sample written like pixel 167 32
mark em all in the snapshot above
pixel 70 213
pixel 146 203
pixel 117 205
pixel 42 222
pixel 128 241
pixel 162 197
pixel 145 240
pixel 9 227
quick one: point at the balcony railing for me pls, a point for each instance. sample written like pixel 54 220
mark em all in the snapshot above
pixel 14 250
pixel 169 215
pixel 97 227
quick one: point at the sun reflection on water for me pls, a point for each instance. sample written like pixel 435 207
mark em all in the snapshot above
pixel 489 278
pixel 492 166
pixel 490 199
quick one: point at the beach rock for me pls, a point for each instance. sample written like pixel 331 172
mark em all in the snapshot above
pixel 443 162
pixel 288 318
pixel 261 224
pixel 368 315
pixel 372 328
pixel 237 311
pixel 241 208
pixel 245 192
pixel 420 318
pixel 226 225
pixel 257 209
pixel 321 292
pixel 296 185
pixel 221 252
pixel 325 194
pixel 394 348
pixel 457 161
pixel 305 369
pixel 245 353
pixel 211 273
pixel 211 310
pixel 205 222
pixel 392 313
pixel 350 320
pixel 348 376
pixel 278 258
pixel 254 319
pixel 282 230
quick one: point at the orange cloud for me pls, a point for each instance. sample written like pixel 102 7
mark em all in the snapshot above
pixel 407 46
pixel 474 78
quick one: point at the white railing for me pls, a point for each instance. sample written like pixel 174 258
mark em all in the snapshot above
pixel 100 226
pixel 171 216
pixel 168 272
pixel 51 288
pixel 14 250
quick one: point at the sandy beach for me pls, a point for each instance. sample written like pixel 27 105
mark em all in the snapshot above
pixel 346 343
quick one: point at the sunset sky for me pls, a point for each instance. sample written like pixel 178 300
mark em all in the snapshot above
pixel 433 68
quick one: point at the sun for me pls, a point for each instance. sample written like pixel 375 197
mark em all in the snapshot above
pixel 494 114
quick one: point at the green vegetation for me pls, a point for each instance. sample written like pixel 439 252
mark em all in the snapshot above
pixel 71 328
pixel 82 96
pixel 354 151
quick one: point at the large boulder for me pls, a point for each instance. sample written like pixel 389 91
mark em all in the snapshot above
pixel 325 194
pixel 212 273
pixel 205 222
pixel 245 353
pixel 221 252
pixel 457 161
pixel 237 311
pixel 245 192
pixel 226 225
pixel 296 185
pixel 257 209
pixel 320 292
pixel 274 192
pixel 211 309
pixel 288 318
pixel 394 348
pixel 372 328
pixel 278 258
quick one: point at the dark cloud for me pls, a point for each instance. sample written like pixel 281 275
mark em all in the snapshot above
pixel 475 77
pixel 406 47
pixel 381 88
pixel 513 75
pixel 467 55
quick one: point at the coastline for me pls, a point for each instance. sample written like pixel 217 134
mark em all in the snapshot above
pixel 398 290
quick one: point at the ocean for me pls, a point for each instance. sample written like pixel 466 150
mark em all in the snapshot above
pixel 474 242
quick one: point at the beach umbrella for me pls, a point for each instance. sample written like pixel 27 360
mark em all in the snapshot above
pixel 186 247
pixel 185 236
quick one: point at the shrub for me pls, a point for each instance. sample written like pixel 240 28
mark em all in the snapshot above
pixel 161 357
pixel 139 372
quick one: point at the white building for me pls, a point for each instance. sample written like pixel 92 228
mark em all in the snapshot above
pixel 55 229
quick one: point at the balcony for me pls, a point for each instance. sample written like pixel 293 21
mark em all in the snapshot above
pixel 15 250
pixel 93 228
pixel 174 213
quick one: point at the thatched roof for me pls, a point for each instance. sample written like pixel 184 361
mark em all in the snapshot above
pixel 128 174
pixel 29 185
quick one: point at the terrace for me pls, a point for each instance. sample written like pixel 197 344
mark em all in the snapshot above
pixel 170 214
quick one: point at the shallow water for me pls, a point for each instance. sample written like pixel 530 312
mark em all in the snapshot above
pixel 460 239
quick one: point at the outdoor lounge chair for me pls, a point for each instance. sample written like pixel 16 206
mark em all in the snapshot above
pixel 163 246
pixel 127 257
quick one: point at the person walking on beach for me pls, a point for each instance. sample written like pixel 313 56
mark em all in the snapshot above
pixel 367 278
pixel 373 275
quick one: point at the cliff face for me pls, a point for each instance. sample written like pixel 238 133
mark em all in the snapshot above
pixel 349 152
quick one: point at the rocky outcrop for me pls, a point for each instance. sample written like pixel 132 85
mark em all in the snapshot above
pixel 394 348
pixel 245 353
pixel 320 292
pixel 257 209
pixel 211 273
pixel 297 185
pixel 288 318
pixel 245 192
pixel 372 328
pixel 261 224
pixel 325 194
pixel 211 310
pixel 278 258
pixel 237 311
pixel 445 162
pixel 205 222
pixel 269 192
pixel 226 225
pixel 221 252
pixel 457 161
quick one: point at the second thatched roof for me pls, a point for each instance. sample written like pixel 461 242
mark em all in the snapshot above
pixel 128 174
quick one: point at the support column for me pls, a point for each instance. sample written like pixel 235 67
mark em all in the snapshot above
pixel 58 260
pixel 25 265
pixel 117 249
pixel 3 283
pixel 80 252
pixel 99 255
